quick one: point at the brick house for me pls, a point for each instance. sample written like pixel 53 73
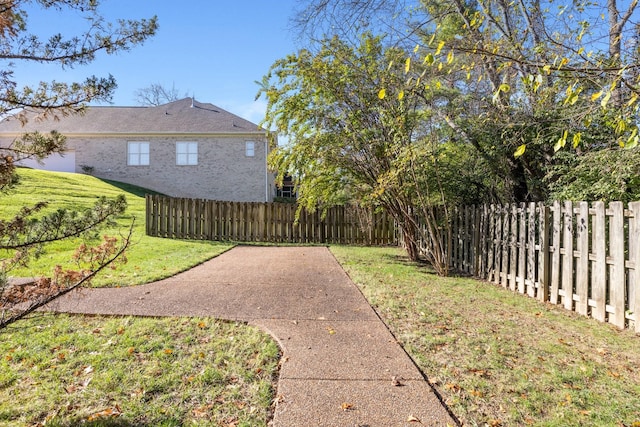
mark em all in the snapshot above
pixel 182 149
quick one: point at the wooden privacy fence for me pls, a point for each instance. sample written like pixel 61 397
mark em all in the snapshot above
pixel 585 258
pixel 181 218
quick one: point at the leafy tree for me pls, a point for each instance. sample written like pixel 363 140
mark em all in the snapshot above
pixel 530 75
pixel 351 141
pixel 606 175
pixel 156 94
pixel 24 235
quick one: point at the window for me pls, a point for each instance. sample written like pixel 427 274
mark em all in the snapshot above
pixel 250 149
pixel 138 154
pixel 186 153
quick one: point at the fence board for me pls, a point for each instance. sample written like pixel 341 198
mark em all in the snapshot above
pixel 263 222
pixel 599 265
pixel 634 262
pixel 530 279
pixel 567 256
pixel 582 263
pixel 543 254
pixel 617 269
pixel 516 249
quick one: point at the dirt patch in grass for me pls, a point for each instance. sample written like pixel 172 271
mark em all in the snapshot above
pixel 499 358
pixel 59 370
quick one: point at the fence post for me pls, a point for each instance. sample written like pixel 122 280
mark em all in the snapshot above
pixel 149 214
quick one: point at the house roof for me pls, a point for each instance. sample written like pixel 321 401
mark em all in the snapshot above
pixel 182 116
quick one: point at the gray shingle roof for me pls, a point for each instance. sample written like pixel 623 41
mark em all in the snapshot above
pixel 182 116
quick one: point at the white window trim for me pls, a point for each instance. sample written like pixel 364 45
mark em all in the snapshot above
pixel 138 155
pixel 191 156
pixel 250 148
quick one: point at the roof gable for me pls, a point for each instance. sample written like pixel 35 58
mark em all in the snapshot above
pixel 182 116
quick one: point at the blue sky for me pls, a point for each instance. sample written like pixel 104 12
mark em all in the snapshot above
pixel 213 49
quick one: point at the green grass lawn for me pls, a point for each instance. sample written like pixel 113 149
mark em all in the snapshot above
pixel 149 258
pixel 63 371
pixel 499 358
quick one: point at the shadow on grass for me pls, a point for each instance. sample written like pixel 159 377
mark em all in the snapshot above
pixel 130 188
pixel 403 259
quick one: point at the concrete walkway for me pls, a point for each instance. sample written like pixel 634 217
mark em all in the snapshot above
pixel 339 359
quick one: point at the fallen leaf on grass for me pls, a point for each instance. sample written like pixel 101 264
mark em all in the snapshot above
pixel 107 413
pixel 202 411
pixel 452 387
pixel 613 374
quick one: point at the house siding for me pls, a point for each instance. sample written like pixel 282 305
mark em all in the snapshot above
pixel 223 171
pixel 99 139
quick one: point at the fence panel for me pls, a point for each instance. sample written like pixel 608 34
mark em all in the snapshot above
pixel 585 258
pixel 265 222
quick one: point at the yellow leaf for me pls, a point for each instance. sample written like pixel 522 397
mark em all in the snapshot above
pixel 576 139
pixel 407 65
pixel 415 49
pixel 504 87
pixel 561 142
pixel 605 100
pixel 520 151
pixel 596 96
pixel 450 57
pixel 401 95
pixel 632 100
pixel 429 59
pixel 547 69
pixel 440 46
pixel 382 93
